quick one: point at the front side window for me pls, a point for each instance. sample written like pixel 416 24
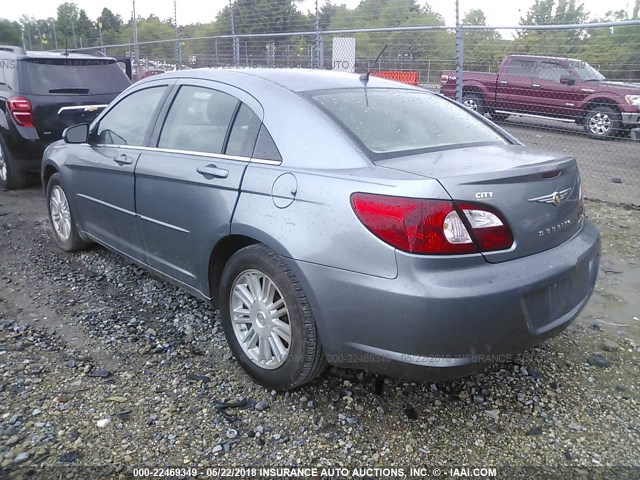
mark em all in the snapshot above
pixel 393 121
pixel 198 120
pixel 587 73
pixel 128 121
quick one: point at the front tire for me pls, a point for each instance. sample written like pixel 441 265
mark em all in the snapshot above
pixel 61 218
pixel 602 122
pixel 10 177
pixel 267 320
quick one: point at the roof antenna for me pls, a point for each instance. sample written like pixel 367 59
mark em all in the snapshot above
pixel 365 76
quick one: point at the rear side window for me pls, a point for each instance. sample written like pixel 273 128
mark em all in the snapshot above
pixel 522 68
pixel 71 76
pixel 244 133
pixel 198 120
pixel 265 147
pixel 128 121
pixel 8 75
pixel 392 122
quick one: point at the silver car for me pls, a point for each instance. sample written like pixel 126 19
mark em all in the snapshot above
pixel 331 218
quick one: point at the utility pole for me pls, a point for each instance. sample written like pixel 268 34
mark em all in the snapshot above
pixel 100 30
pixel 73 30
pixel 135 39
pixel 55 36
pixel 236 47
pixel 178 48
pixel 39 35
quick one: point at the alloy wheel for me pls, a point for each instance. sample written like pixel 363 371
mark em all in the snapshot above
pixel 3 165
pixel 60 213
pixel 260 319
pixel 600 124
pixel 471 103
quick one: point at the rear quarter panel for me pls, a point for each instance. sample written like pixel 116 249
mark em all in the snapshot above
pixel 320 226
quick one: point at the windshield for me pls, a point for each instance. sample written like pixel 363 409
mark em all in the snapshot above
pixel 394 121
pixel 71 76
pixel 587 72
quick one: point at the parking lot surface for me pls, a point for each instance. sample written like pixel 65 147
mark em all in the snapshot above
pixel 104 365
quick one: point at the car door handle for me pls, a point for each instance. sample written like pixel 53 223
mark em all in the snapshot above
pixel 123 159
pixel 213 171
pixel 535 85
pixel 503 82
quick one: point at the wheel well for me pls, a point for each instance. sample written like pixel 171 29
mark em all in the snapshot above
pixel 472 90
pixel 600 102
pixel 220 255
pixel 49 171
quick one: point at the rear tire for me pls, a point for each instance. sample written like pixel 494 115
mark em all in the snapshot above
pixel 602 122
pixel 256 287
pixel 474 101
pixel 61 218
pixel 10 177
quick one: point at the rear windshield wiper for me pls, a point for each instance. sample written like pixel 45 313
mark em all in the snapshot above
pixel 69 90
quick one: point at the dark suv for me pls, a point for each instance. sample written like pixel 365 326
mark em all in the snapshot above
pixel 42 93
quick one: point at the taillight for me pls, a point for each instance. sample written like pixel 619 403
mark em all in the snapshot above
pixel 21 112
pixel 432 227
pixel 489 230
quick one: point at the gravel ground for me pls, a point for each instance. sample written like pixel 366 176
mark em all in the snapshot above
pixel 103 365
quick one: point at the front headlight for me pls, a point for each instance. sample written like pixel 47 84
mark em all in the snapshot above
pixel 633 100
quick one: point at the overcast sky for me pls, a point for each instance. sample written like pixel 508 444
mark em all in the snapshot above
pixel 498 12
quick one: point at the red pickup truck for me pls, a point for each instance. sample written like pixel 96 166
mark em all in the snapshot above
pixel 555 87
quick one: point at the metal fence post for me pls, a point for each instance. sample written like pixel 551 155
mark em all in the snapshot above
pixel 236 46
pixel 318 42
pixel 459 53
pixel 178 46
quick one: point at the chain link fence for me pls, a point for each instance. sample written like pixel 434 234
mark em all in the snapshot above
pixel 570 86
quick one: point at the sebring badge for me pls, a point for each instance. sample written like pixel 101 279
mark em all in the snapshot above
pixel 553 198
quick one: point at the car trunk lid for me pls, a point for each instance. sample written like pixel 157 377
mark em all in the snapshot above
pixel 537 194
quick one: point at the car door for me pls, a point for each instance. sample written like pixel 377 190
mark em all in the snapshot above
pixel 554 92
pixel 188 185
pixel 103 170
pixel 513 92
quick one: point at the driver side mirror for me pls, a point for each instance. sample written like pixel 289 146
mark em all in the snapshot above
pixel 76 134
pixel 567 80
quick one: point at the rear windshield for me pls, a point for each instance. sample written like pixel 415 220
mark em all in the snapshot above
pixel 393 122
pixel 72 76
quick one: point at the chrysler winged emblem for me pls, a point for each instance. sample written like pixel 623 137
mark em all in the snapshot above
pixel 552 198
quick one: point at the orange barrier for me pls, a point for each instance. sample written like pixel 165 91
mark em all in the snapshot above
pixel 399 76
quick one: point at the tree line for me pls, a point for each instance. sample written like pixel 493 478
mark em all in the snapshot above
pixel 613 49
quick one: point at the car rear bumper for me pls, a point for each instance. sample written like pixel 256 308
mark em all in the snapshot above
pixel 435 322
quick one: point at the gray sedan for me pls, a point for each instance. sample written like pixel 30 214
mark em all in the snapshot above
pixel 331 218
